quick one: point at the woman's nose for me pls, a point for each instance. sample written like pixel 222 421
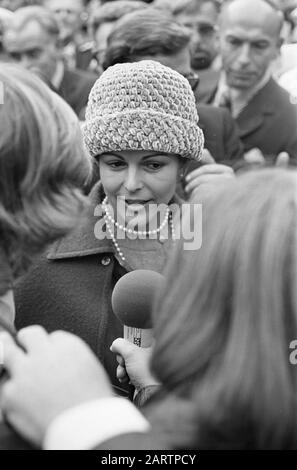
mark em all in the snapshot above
pixel 133 180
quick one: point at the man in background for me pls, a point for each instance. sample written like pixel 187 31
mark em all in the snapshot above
pixel 103 20
pixel 32 39
pixel 250 42
pixel 201 17
pixel 71 16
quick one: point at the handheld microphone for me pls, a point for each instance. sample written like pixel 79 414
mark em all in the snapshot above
pixel 132 302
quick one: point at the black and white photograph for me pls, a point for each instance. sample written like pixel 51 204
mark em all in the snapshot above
pixel 148 228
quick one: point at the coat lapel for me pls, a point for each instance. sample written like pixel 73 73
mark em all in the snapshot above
pixel 253 115
pixel 82 240
pixel 208 86
pixel 68 86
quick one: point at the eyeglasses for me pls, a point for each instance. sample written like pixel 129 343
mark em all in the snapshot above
pixel 193 79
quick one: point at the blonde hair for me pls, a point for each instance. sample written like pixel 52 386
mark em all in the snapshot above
pixel 227 316
pixel 43 164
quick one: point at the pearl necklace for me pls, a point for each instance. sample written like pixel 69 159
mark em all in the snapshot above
pixel 109 220
pixel 129 230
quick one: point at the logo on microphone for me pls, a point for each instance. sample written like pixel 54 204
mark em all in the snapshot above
pixel 293 354
pixel 1 93
pixel 1 354
pixel 293 98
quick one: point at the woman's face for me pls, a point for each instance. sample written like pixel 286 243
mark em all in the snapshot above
pixel 142 178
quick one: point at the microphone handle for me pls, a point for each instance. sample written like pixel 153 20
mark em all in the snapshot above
pixel 141 337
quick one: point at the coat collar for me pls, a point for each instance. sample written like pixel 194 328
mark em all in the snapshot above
pixel 82 240
pixel 252 116
pixel 262 104
pixel 208 86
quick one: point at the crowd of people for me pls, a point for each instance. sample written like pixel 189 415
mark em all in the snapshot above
pixel 126 127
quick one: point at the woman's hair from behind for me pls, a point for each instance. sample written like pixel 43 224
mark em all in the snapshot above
pixel 144 33
pixel 227 317
pixel 43 165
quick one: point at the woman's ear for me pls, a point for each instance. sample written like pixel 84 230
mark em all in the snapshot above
pixel 183 167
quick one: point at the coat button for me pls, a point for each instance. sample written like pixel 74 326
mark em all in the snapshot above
pixel 106 261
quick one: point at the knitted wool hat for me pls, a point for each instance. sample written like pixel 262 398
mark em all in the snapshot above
pixel 143 106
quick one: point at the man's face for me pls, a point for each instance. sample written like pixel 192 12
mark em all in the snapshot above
pixel 249 43
pixel 33 48
pixel 68 14
pixel 204 39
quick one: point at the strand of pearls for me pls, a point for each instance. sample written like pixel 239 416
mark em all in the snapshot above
pixel 111 222
pixel 129 230
pixel 114 241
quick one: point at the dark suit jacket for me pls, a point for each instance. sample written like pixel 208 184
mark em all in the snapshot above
pixel 75 89
pixel 221 133
pixel 269 121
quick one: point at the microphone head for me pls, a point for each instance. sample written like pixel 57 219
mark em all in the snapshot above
pixel 133 297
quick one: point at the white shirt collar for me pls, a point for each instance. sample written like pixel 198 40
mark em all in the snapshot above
pixel 239 99
pixel 58 75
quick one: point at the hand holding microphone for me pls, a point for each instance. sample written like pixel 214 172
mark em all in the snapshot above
pixel 134 364
pixel 132 302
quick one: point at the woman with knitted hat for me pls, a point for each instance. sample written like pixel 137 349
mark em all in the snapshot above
pixel 142 127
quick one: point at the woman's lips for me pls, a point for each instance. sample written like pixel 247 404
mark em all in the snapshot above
pixel 136 202
pixel 136 206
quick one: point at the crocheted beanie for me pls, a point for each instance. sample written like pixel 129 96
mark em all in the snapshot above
pixel 143 106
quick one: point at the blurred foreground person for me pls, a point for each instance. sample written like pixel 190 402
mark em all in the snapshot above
pixel 222 355
pixel 41 169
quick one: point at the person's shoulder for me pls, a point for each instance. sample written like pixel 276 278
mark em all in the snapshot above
pixel 278 95
pixel 211 111
pixel 80 76
pixel 208 83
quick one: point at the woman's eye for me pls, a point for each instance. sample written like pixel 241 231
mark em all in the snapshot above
pixel 116 164
pixel 154 166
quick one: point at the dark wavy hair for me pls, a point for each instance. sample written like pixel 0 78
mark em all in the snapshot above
pixel 145 33
pixel 227 316
pixel 43 165
pixel 112 11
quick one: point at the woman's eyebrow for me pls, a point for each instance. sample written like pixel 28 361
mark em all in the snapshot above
pixel 113 154
pixel 156 154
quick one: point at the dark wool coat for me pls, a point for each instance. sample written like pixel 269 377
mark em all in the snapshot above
pixel 70 288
